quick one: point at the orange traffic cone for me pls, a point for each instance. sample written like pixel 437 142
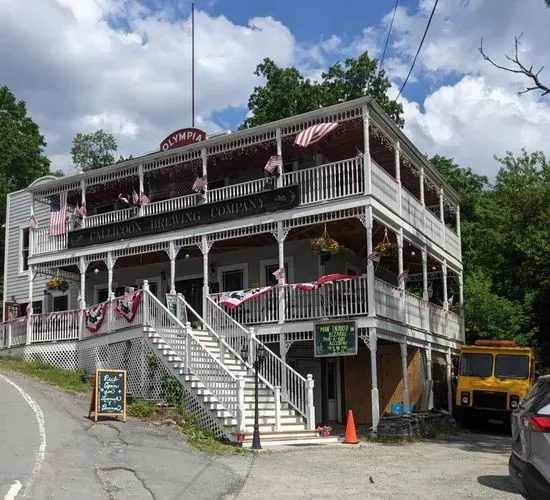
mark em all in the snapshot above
pixel 351 435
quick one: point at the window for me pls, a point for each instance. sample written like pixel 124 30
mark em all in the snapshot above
pixel 216 183
pixel 269 270
pixel 24 249
pixel 102 295
pixel 36 308
pixel 232 280
pixel 511 366
pixel 476 365
pixel 61 303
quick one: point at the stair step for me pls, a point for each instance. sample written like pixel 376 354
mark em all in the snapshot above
pixel 267 420
pixel 277 441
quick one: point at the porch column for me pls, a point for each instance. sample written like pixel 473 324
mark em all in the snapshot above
pixel 448 360
pixel 204 159
pixel 445 293
pixel 375 401
pixel 442 216
pixel 405 373
pixel 31 231
pixel 425 273
pixel 281 235
pixel 31 274
pixel 458 229
pixel 429 380
pixel 398 174
pixel 278 138
pixel 367 166
pixel 461 304
pixel 401 285
pixel 370 264
pixel 83 200
pixel 82 268
pixel 205 249
pixel 422 187
pixel 140 174
pixel 172 257
pixel 110 266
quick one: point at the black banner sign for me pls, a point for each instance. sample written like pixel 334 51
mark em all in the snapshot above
pixel 335 339
pixel 271 200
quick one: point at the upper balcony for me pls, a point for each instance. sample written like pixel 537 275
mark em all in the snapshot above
pixel 395 174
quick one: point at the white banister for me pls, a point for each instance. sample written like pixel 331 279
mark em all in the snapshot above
pixel 277 408
pixel 241 409
pixel 310 411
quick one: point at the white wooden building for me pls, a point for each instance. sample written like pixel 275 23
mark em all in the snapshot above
pixel 364 185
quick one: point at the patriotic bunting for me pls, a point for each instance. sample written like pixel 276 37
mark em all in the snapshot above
pixel 232 300
pixel 95 316
pixel 128 305
pixel 314 134
pixel 329 278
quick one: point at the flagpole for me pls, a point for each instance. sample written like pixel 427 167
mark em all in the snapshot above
pixel 193 64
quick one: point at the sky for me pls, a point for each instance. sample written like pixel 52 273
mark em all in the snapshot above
pixel 125 66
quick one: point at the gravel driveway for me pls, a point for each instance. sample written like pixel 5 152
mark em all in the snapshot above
pixel 470 465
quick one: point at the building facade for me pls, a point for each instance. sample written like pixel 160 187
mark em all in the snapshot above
pixel 356 230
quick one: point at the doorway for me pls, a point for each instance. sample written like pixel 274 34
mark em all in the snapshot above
pixel 191 290
pixel 333 385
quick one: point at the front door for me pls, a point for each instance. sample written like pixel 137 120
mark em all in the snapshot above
pixel 192 293
pixel 333 385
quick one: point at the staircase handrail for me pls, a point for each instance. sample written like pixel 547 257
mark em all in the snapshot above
pixel 193 359
pixel 274 372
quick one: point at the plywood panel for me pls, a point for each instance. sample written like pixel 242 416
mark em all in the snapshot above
pixel 357 385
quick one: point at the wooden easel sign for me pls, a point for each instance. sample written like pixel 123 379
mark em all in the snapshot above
pixel 109 394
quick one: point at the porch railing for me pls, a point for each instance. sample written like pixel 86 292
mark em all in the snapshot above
pixel 55 326
pixel 274 371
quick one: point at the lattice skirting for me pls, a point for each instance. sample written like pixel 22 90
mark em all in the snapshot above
pixel 147 371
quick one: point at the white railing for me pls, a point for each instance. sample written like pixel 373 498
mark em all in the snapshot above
pixel 110 217
pixel 262 309
pixel 412 209
pixel 452 242
pixel 43 242
pixel 237 190
pixel 453 326
pixel 328 182
pixel 195 357
pixel 55 326
pixel 14 332
pixel 172 204
pixel 433 227
pixel 274 371
pixel 387 300
pixel 385 187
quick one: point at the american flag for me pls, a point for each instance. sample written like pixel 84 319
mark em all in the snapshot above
pixel 374 256
pixel 135 197
pixel 430 291
pixel 32 222
pixel 450 301
pixel 199 184
pixel 274 163
pixel 144 200
pixel 313 134
pixel 280 273
pixel 83 209
pixel 403 277
pixel 58 214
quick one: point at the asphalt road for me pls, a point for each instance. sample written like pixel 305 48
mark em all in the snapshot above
pixel 84 460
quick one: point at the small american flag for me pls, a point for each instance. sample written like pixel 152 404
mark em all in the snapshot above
pixel 403 277
pixel 430 292
pixel 199 184
pixel 32 223
pixel 144 200
pixel 135 197
pixel 374 256
pixel 83 209
pixel 274 163
pixel 29 308
pixel 450 301
pixel 58 214
pixel 314 134
pixel 280 273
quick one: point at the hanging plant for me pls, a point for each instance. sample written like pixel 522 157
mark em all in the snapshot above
pixel 57 284
pixel 385 247
pixel 325 246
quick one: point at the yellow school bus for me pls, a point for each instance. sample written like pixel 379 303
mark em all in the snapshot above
pixel 493 377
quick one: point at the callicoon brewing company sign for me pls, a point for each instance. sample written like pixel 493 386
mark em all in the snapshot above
pixel 182 137
pixel 271 200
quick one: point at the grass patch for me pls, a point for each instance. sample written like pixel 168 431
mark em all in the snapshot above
pixel 177 416
pixel 65 379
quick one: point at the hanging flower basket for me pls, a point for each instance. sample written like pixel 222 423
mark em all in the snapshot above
pixel 385 248
pixel 57 284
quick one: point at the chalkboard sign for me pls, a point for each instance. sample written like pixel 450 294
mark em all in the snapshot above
pixel 109 394
pixel 335 338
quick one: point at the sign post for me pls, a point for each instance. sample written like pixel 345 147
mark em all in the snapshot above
pixel 109 394
pixel 335 338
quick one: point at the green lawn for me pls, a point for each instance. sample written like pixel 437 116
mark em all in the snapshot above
pixel 64 379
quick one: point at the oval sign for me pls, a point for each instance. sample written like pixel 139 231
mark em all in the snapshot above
pixel 182 137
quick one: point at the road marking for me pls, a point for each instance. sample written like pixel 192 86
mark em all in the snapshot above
pixel 14 489
pixel 41 452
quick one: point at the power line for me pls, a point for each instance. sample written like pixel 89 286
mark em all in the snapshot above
pixel 388 36
pixel 419 47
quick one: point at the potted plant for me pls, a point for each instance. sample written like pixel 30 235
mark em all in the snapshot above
pixel 384 247
pixel 324 430
pixel 57 284
pixel 325 247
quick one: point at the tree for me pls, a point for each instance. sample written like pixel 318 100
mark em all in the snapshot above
pixel 94 150
pixel 518 67
pixel 287 92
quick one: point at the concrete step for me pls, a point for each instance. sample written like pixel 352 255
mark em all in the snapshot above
pixel 269 441
pixel 270 420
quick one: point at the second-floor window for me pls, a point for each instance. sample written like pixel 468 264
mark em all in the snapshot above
pixel 24 265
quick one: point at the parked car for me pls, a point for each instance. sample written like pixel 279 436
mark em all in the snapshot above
pixel 529 463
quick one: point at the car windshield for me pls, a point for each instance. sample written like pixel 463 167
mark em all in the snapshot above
pixel 476 364
pixel 511 366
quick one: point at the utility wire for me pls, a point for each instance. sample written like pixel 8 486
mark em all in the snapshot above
pixel 388 36
pixel 419 47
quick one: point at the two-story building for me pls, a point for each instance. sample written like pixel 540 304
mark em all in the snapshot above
pixel 327 237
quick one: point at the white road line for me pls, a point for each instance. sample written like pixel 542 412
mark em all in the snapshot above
pixel 41 452
pixel 14 489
